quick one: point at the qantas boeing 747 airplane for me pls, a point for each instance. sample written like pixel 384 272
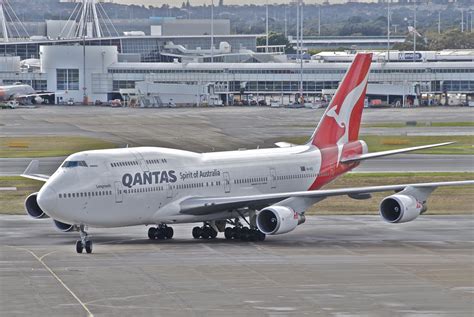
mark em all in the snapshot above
pixel 245 194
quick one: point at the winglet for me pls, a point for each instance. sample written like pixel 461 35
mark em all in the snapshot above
pixel 31 172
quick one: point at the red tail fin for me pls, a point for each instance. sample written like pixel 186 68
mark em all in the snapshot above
pixel 341 121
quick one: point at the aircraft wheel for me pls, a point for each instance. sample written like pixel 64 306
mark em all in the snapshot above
pixel 261 236
pixel 160 233
pixel 236 232
pixel 228 233
pixel 212 233
pixel 89 246
pixel 79 246
pixel 197 232
pixel 152 233
pixel 205 234
pixel 169 232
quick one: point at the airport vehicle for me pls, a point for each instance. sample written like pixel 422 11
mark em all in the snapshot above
pixel 268 189
pixel 20 91
pixel 10 104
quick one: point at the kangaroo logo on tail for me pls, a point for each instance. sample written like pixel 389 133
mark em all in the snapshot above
pixel 341 121
pixel 343 118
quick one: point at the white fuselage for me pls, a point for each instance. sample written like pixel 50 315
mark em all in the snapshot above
pixel 132 186
pixel 13 91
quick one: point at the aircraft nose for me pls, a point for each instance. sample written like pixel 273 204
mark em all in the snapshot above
pixel 47 200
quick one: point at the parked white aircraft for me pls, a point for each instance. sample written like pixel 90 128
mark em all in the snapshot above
pixel 20 91
pixel 270 189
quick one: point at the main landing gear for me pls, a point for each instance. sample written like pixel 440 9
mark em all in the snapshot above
pixel 84 243
pixel 237 232
pixel 244 234
pixel 160 233
pixel 204 232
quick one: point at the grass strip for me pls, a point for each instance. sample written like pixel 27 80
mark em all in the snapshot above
pixel 44 146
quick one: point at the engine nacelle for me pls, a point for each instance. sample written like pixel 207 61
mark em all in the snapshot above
pixel 401 208
pixel 64 227
pixel 33 209
pixel 278 220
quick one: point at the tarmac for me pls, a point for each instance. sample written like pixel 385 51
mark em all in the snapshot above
pixel 212 129
pixel 329 266
pixel 227 128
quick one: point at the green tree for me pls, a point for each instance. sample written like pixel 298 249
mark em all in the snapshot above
pixel 451 39
pixel 276 39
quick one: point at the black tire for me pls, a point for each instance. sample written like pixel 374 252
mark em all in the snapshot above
pixel 261 236
pixel 228 233
pixel 152 233
pixel 252 235
pixel 89 246
pixel 79 247
pixel 236 232
pixel 205 233
pixel 212 233
pixel 160 233
pixel 169 232
pixel 197 232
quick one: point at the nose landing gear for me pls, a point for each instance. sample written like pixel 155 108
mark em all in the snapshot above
pixel 85 242
pixel 160 233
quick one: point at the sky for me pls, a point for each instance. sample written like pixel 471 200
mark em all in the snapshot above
pixel 178 3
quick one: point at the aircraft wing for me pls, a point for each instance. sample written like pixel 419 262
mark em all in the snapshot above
pixel 209 205
pixel 366 156
pixel 31 172
pixel 35 95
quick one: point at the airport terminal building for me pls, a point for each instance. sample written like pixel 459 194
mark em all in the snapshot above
pixel 105 68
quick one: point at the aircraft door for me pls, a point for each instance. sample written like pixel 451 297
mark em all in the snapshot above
pixel 226 182
pixel 118 192
pixel 169 191
pixel 141 161
pixel 273 178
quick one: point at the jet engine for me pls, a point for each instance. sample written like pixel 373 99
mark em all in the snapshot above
pixel 278 220
pixel 64 227
pixel 38 100
pixel 400 208
pixel 32 207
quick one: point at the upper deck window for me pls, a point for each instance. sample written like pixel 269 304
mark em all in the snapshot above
pixel 74 164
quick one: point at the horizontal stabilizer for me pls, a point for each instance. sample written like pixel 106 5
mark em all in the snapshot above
pixel 31 172
pixel 284 144
pixel 366 156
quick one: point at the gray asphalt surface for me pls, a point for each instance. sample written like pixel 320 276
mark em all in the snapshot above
pixel 329 266
pixel 211 129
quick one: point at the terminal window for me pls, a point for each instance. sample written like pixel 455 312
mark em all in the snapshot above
pixel 67 79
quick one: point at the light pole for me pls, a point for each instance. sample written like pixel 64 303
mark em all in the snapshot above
pixel 85 101
pixel 319 20
pixel 414 31
pixel 266 26
pixel 439 22
pixel 212 31
pixel 388 31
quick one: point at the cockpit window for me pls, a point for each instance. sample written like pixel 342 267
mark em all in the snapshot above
pixel 74 164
